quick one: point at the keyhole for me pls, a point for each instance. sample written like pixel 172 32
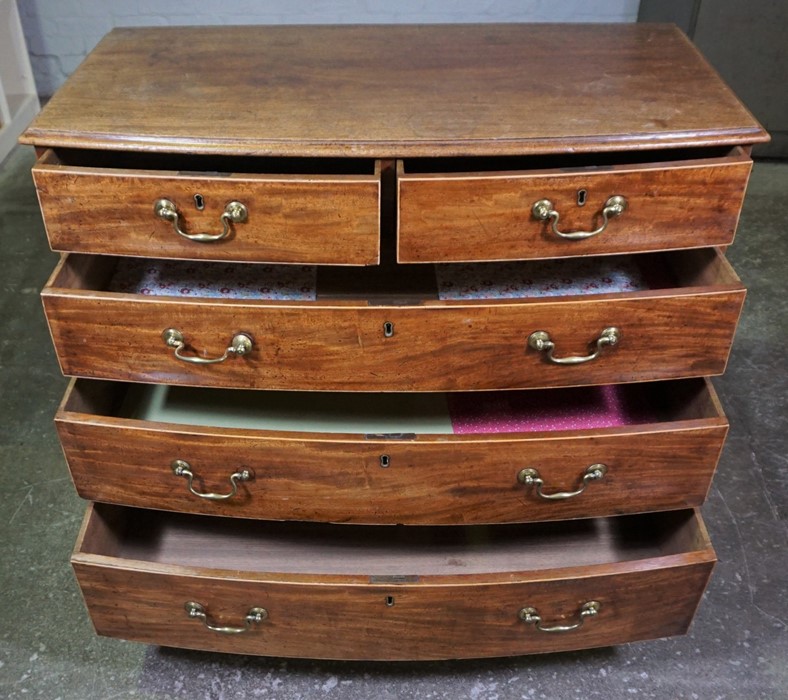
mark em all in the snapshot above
pixel 199 202
pixel 385 461
pixel 582 195
pixel 388 329
pixel 389 601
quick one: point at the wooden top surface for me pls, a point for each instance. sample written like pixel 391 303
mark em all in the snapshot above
pixel 400 90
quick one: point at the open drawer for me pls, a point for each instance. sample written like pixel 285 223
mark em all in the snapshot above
pixel 289 210
pixel 628 319
pixel 505 208
pixel 404 458
pixel 355 592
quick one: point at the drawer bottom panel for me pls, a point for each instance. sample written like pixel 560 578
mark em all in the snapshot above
pixel 389 593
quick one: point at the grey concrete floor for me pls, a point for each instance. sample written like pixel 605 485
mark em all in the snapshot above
pixel 737 648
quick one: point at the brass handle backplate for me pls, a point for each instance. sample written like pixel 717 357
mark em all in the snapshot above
pixel 531 477
pixel 234 213
pixel 196 611
pixel 181 467
pixel 240 345
pixel 543 210
pixel 531 616
pixel 541 341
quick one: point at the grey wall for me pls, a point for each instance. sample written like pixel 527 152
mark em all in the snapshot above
pixel 746 42
pixel 60 33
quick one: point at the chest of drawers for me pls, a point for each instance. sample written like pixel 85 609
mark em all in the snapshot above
pixel 392 342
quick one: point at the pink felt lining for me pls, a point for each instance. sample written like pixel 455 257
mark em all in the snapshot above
pixel 544 410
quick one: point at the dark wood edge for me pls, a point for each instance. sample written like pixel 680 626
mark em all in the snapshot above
pixel 726 275
pixel 72 417
pixel 395 149
pixel 737 156
pixel 656 563
pixel 715 400
pixel 49 162
pixel 75 553
pixel 735 330
pixel 47 158
pixel 64 283
pixel 703 540
pixel 79 544
pixel 745 135
pixel 57 273
pixel 576 573
pixel 68 398
pixel 56 277
pixel 714 273
pixel 67 413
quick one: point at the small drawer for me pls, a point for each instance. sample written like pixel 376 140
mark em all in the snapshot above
pixel 298 210
pixel 423 459
pixel 499 208
pixel 389 593
pixel 655 316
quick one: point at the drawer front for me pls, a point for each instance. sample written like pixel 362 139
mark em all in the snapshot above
pixel 320 219
pixel 430 479
pixel 477 216
pixel 430 348
pixel 459 618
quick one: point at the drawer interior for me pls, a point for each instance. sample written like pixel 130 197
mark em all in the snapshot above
pixel 398 284
pixel 568 161
pixel 189 164
pixel 384 550
pixel 211 280
pixel 504 280
pixel 404 415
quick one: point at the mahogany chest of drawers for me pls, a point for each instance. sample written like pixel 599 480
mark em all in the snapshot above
pixel 393 342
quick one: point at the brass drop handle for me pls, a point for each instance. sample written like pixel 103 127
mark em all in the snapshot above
pixel 240 345
pixel 196 611
pixel 541 341
pixel 234 213
pixel 531 477
pixel 531 616
pixel 543 210
pixel 181 467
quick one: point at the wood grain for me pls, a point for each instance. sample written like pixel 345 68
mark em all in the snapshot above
pixel 291 217
pixel 432 617
pixel 433 479
pixel 360 90
pixel 339 345
pixel 487 216
pixel 250 94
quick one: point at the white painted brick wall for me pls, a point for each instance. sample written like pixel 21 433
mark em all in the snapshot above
pixel 60 33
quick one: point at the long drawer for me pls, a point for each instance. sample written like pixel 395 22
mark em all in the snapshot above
pixel 355 592
pixel 510 208
pixel 297 210
pixel 387 459
pixel 351 336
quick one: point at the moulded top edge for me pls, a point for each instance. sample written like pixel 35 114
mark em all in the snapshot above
pixel 384 150
pixel 398 90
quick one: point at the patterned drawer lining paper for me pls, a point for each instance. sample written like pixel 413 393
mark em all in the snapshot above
pixel 215 280
pixel 456 282
pixel 548 278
